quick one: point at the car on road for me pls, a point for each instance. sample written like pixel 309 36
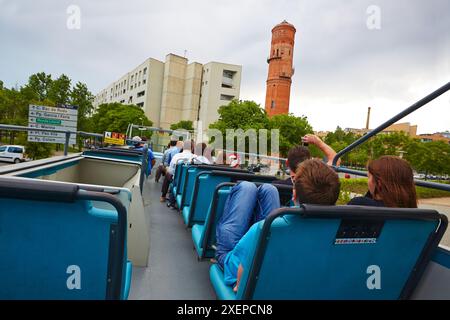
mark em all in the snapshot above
pixel 12 153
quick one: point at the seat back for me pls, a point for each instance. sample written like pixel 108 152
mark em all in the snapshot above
pixel 341 252
pixel 56 245
pixel 180 184
pixel 205 184
pixel 216 210
pixel 111 153
pixel 191 174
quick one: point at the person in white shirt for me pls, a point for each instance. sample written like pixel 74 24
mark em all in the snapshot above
pixel 186 155
pixel 202 154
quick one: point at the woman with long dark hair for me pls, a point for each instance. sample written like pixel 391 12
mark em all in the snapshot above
pixel 391 184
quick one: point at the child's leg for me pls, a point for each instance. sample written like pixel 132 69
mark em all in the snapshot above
pixel 268 200
pixel 238 216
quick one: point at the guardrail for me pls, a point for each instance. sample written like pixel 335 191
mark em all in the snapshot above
pixel 67 133
pixel 386 124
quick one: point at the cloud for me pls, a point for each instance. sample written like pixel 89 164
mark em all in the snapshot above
pixel 342 67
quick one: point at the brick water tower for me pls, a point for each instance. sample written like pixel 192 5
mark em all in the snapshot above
pixel 280 69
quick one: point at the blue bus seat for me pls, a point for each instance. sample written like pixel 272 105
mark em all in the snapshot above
pixel 204 187
pixel 189 181
pixel 337 252
pixel 204 235
pixel 56 244
pixel 203 243
pixel 111 153
pixel 177 177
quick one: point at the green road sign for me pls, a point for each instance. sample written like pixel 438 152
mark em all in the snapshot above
pixel 48 121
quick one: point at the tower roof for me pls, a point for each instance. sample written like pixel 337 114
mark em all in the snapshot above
pixel 284 23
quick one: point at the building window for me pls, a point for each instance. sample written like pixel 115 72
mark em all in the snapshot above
pixel 140 94
pixel 277 52
pixel 140 104
pixel 226 97
pixel 139 83
pixel 227 78
pixel 123 90
pixel 144 81
pixel 145 71
pixel 272 104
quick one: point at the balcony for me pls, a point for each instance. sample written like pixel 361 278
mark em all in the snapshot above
pixel 227 82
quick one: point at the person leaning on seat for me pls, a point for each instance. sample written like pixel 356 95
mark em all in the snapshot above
pixel 247 206
pixel 162 168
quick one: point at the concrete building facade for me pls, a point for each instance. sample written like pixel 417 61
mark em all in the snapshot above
pixel 176 90
pixel 281 70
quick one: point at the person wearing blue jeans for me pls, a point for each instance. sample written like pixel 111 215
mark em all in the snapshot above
pixel 246 205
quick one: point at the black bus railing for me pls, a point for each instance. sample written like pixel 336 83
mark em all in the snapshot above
pixel 67 133
pixel 404 113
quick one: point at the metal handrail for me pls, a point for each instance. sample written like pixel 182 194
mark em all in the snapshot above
pixel 394 119
pixel 12 127
pixel 404 113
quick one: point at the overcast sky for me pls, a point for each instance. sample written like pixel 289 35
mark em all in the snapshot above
pixel 341 66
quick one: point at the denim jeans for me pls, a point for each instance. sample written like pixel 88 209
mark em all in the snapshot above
pixel 245 205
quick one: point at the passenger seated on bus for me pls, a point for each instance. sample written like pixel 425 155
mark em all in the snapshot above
pixel 200 154
pixel 390 183
pixel 138 144
pixel 247 205
pixel 186 155
pixel 162 168
pixel 169 175
pixel 300 153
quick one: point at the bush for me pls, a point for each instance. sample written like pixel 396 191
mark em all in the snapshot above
pixel 359 186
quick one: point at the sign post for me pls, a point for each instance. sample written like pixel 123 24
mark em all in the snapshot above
pixel 61 117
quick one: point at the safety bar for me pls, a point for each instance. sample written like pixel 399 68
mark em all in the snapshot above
pixel 68 133
pixel 386 124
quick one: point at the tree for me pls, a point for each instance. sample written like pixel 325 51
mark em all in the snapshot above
pixel 39 85
pixel 116 117
pixel 80 96
pixel 36 150
pixel 59 91
pixel 292 129
pixel 183 124
pixel 240 115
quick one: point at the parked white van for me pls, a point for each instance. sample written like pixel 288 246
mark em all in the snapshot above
pixel 12 153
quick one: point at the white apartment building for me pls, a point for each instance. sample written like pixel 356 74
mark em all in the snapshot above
pixel 176 90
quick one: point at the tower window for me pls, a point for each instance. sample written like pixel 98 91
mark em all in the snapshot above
pixel 277 52
pixel 272 104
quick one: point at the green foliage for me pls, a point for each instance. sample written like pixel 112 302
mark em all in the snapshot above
pixel 116 117
pixel 35 150
pixel 43 90
pixel 183 124
pixel 241 115
pixel 424 157
pixel 291 128
pixel 249 115
pixel 359 186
